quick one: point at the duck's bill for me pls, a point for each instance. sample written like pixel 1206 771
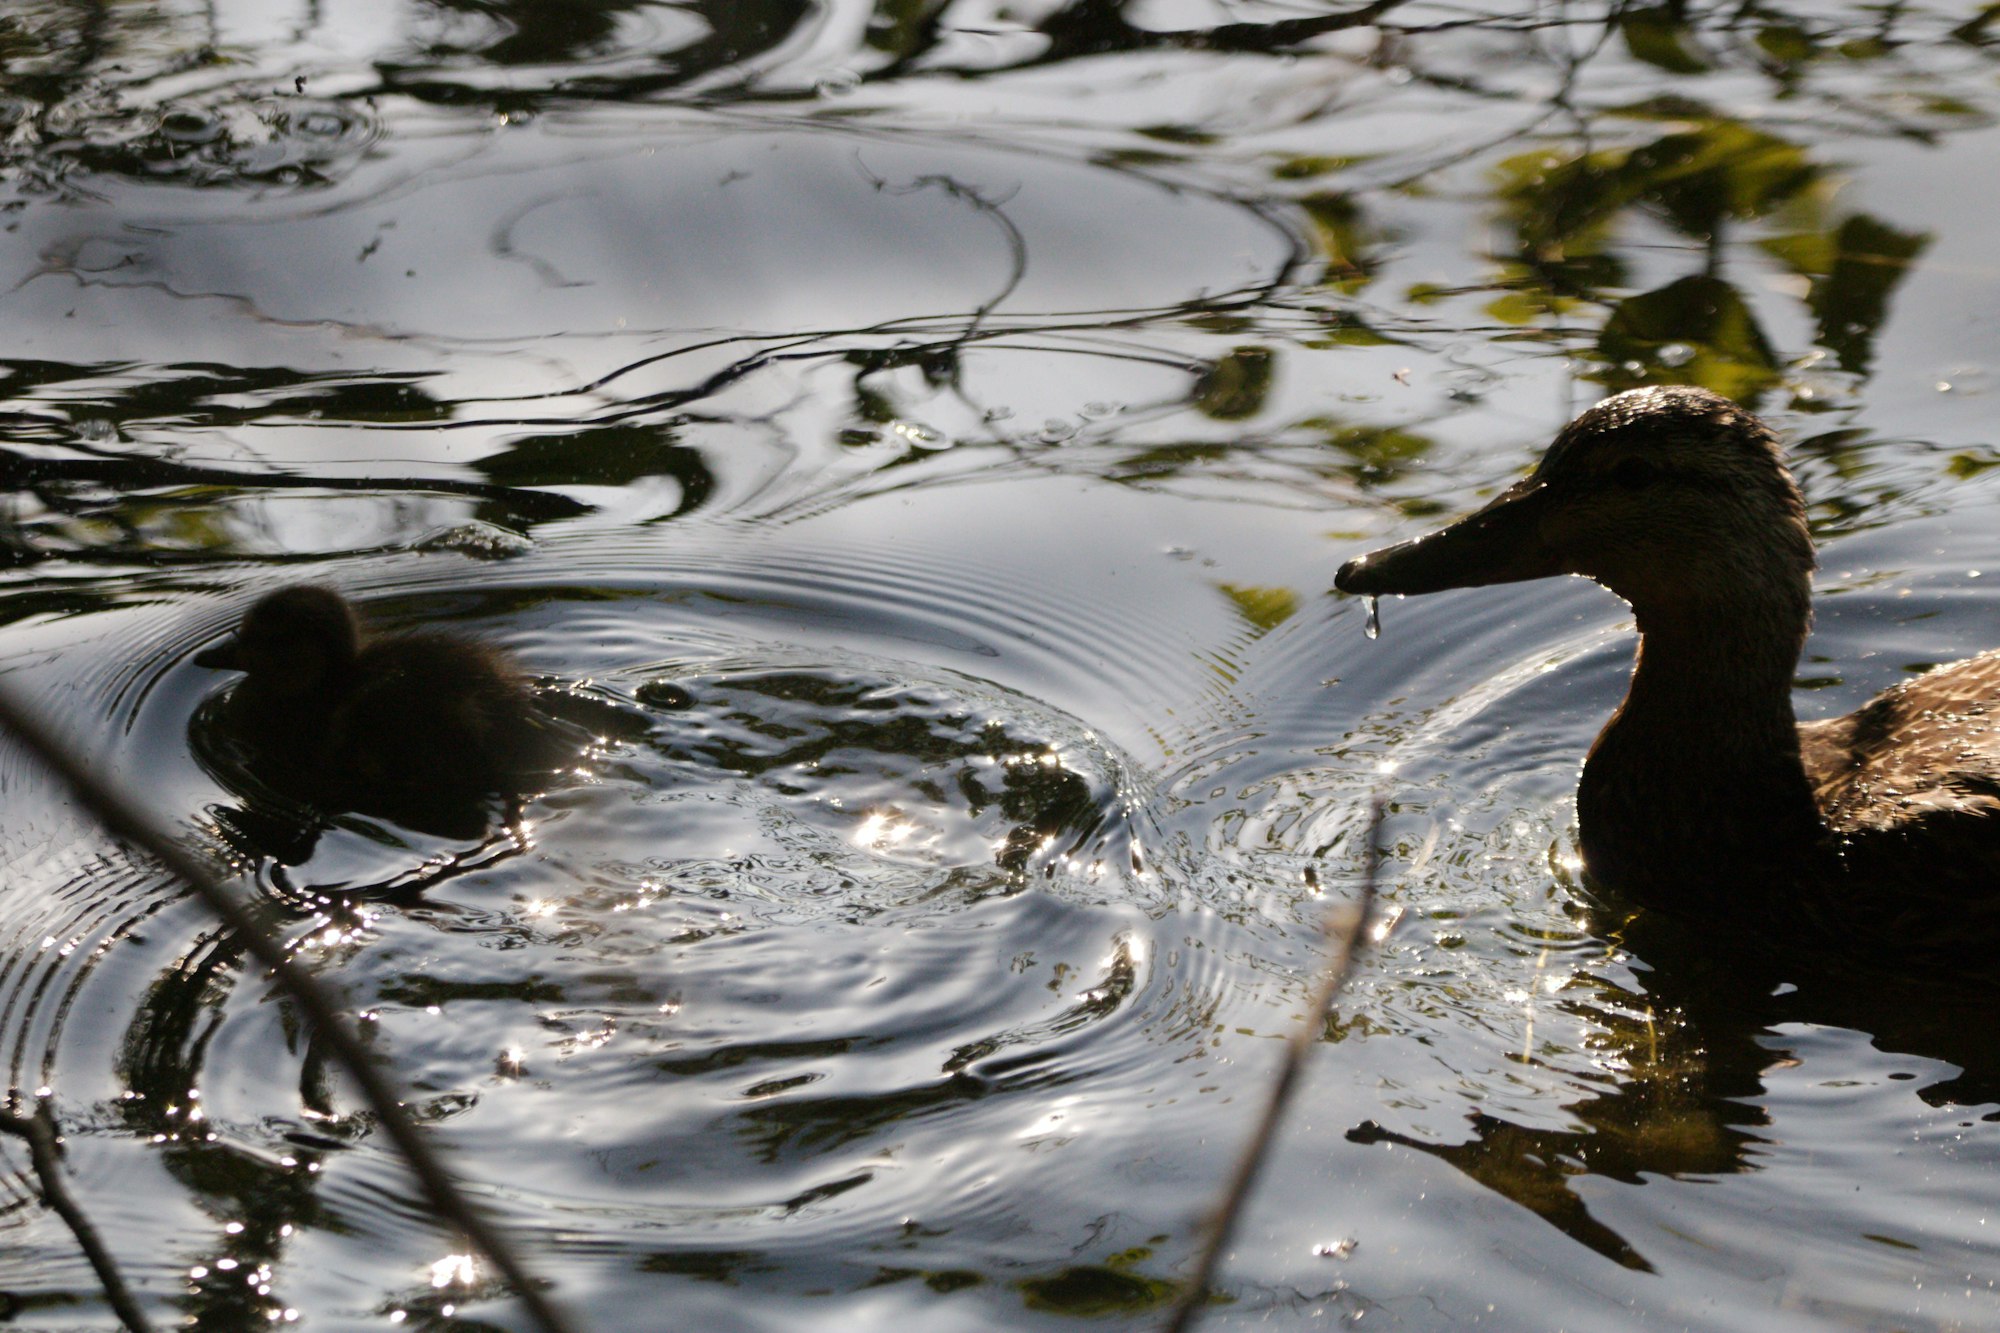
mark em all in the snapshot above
pixel 1501 543
pixel 225 656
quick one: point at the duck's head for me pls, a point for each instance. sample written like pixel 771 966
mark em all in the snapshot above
pixel 1668 496
pixel 293 643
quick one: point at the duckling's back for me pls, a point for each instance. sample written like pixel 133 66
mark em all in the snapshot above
pixel 433 717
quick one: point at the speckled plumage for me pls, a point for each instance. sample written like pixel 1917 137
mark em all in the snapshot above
pixel 1702 794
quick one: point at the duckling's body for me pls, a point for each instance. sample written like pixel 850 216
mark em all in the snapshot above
pixel 1703 794
pixel 403 725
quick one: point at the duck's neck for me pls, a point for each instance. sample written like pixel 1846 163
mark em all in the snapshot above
pixel 1696 784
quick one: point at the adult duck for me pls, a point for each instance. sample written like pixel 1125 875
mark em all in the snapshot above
pixel 1703 795
pixel 417 726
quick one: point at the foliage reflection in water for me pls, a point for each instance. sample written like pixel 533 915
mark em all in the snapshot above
pixel 918 445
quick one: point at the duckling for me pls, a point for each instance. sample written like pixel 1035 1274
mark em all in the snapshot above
pixel 405 725
pixel 1703 795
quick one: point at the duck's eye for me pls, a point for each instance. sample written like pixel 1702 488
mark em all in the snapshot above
pixel 1634 473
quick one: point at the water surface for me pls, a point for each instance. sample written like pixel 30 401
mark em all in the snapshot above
pixel 919 441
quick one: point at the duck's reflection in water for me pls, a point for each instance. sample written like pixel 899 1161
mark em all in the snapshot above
pixel 1695 1037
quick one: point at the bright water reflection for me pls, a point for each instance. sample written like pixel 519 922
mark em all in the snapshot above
pixel 917 442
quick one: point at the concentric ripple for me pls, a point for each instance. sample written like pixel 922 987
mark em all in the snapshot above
pixel 818 950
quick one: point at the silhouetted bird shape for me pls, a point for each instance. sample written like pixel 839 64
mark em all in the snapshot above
pixel 422 727
pixel 1703 795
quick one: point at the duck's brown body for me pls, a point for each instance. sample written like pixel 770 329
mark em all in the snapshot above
pixel 1703 794
pixel 1909 787
pixel 405 725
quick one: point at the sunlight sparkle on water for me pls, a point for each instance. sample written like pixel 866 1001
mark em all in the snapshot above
pixel 882 831
pixel 452 1268
pixel 1385 921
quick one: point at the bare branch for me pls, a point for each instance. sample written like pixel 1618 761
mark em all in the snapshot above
pixel 1345 929
pixel 125 818
pixel 39 1131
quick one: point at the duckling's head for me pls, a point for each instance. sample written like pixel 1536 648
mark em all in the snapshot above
pixel 293 643
pixel 1668 496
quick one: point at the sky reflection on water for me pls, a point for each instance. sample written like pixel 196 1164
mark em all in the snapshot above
pixel 927 436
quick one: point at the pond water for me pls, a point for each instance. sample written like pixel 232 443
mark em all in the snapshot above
pixel 920 439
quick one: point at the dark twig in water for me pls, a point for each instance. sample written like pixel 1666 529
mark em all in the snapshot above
pixel 38 1130
pixel 123 816
pixel 1345 929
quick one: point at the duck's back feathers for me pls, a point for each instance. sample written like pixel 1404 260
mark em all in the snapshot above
pixel 1909 784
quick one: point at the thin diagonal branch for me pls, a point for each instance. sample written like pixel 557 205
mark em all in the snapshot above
pixel 1345 929
pixel 124 818
pixel 39 1131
